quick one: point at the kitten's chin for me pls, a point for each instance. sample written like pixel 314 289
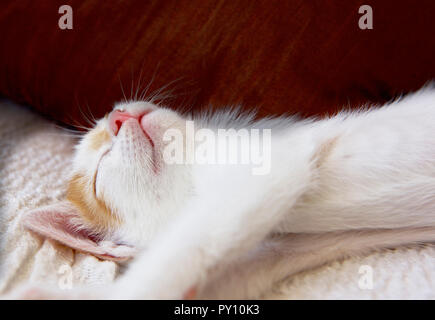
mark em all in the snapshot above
pixel 147 135
pixel 134 146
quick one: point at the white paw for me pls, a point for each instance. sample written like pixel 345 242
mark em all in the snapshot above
pixel 157 289
pixel 39 292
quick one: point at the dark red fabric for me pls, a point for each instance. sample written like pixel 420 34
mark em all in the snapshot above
pixel 294 56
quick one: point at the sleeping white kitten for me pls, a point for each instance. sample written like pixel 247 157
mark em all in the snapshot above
pixel 336 187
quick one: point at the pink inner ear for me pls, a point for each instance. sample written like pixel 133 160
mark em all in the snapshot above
pixel 62 222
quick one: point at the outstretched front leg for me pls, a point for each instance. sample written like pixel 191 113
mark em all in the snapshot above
pixel 218 225
pixel 371 170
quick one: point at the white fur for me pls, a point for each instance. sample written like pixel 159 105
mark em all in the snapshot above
pixel 363 179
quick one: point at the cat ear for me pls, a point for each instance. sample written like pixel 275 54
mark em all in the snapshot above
pixel 62 222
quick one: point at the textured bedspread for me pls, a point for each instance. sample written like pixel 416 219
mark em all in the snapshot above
pixel 34 163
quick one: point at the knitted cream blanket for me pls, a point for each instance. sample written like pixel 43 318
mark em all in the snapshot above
pixel 34 163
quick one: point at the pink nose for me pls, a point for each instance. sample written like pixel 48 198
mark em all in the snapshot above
pixel 117 118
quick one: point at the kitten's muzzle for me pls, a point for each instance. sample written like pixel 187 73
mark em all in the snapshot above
pixel 118 117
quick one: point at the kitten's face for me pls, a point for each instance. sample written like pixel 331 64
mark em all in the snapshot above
pixel 120 182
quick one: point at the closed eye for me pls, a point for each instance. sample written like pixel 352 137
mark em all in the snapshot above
pixel 94 186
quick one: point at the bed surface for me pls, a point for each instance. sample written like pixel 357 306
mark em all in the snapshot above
pixel 34 164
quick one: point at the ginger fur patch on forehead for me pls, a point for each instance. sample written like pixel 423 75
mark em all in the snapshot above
pixel 80 192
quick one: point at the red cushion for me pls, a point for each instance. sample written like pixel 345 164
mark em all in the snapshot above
pixel 308 57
